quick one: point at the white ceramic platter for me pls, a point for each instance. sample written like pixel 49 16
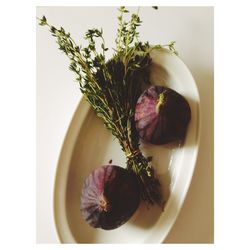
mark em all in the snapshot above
pixel 89 145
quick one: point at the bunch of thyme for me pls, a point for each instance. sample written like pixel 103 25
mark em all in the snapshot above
pixel 112 88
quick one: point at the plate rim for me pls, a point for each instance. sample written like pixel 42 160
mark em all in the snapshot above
pixel 61 160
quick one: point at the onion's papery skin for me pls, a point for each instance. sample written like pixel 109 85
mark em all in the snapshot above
pixel 110 196
pixel 165 123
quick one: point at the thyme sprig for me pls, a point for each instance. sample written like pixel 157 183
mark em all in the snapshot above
pixel 112 87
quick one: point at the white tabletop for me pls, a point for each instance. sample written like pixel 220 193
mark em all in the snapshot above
pixel 58 95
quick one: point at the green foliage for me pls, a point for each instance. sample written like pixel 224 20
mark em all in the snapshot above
pixel 112 87
pixel 43 21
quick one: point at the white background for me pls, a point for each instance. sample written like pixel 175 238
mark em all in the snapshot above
pixel 58 96
pixel 18 116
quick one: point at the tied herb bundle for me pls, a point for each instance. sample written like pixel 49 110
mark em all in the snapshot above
pixel 112 88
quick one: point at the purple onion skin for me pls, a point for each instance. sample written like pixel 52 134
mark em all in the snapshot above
pixel 110 196
pixel 164 122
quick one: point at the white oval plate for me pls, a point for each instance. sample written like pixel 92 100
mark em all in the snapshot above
pixel 89 145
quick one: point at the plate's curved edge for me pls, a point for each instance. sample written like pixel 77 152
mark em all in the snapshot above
pixel 188 184
pixel 63 160
pixel 67 238
pixel 195 155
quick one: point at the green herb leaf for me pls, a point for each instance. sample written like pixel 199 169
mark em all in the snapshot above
pixel 113 87
pixel 43 21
